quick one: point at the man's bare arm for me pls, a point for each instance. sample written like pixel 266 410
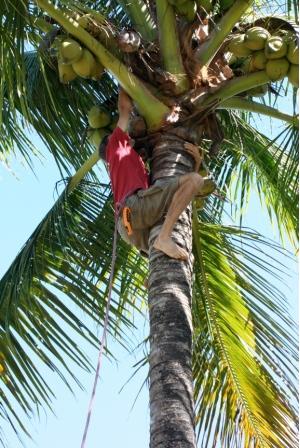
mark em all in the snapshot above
pixel 125 107
pixel 194 152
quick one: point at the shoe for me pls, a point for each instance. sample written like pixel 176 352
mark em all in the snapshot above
pixel 207 188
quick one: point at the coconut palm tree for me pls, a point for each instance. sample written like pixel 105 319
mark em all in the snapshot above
pixel 222 359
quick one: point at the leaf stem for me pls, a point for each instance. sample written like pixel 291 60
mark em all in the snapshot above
pixel 169 44
pixel 40 23
pixel 140 17
pixel 252 106
pixel 231 88
pixel 209 48
pixel 83 170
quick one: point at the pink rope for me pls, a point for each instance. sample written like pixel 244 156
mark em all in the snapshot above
pixel 103 338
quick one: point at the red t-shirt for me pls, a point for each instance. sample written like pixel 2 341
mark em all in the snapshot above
pixel 126 168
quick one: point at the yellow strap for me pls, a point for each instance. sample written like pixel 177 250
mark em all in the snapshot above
pixel 126 216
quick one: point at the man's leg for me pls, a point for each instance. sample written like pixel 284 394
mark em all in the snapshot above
pixel 189 186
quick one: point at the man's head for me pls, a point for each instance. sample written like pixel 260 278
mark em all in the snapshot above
pixel 102 147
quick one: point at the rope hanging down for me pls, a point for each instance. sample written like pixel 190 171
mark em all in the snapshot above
pixel 103 338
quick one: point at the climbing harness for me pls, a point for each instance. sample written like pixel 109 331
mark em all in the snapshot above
pixel 103 338
pixel 126 217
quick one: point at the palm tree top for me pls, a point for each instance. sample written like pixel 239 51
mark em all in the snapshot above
pixel 177 66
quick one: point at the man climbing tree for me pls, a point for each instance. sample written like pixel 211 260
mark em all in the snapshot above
pixel 221 349
pixel 140 206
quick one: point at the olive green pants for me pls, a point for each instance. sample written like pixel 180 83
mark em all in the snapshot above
pixel 147 208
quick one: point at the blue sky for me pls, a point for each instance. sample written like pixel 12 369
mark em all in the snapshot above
pixel 25 200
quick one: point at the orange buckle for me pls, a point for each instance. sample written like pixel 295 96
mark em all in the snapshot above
pixel 126 215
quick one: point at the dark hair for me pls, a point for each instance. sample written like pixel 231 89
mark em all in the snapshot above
pixel 102 148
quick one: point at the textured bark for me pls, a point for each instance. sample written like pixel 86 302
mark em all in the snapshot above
pixel 171 385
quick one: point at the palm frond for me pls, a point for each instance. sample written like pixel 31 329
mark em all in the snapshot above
pixel 244 357
pixel 251 161
pixel 63 270
pixel 61 128
pixel 31 95
pixel 244 346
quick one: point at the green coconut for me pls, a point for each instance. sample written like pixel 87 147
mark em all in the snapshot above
pixel 98 118
pixel 247 66
pixel 230 58
pixel 96 136
pixel 66 73
pixel 258 91
pixel 293 75
pixel 114 122
pixel 187 9
pixel 237 46
pixel 192 11
pixel 293 52
pixel 86 64
pixel 70 51
pixel 97 70
pixel 84 20
pixel 255 38
pixel 286 35
pixel 207 5
pixel 259 60
pixel 277 68
pixel 275 48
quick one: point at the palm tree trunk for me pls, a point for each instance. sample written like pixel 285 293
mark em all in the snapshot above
pixel 171 382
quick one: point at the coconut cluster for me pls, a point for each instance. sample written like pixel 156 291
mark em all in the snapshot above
pixel 257 49
pixel 75 60
pixel 101 123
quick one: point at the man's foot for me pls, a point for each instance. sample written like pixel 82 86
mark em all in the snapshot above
pixel 207 188
pixel 170 248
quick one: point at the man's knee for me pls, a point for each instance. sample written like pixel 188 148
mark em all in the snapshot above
pixel 194 180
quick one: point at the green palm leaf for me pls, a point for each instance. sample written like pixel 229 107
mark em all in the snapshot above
pixel 62 270
pixel 251 161
pixel 61 128
pixel 244 394
pixel 244 349
pixel 30 89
